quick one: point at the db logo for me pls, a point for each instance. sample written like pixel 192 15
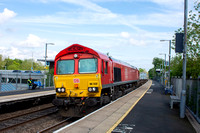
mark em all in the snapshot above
pixel 76 80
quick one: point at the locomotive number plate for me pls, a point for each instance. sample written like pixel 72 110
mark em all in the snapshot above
pixel 76 80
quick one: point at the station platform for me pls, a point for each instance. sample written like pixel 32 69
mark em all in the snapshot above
pixel 13 96
pixel 145 109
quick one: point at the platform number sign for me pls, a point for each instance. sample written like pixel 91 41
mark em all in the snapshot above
pixel 76 80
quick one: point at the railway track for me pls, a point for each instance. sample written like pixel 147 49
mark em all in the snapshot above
pixel 24 112
pixel 56 125
pixel 24 118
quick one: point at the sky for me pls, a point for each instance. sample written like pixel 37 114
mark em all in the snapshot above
pixel 130 30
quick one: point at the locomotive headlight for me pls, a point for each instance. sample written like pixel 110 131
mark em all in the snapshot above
pixel 63 89
pixel 90 89
pixel 75 56
pixel 93 89
pixel 59 90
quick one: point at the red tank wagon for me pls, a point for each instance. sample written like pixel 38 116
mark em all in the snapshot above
pixel 84 78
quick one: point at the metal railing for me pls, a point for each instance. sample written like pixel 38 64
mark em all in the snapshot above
pixel 192 94
pixel 18 81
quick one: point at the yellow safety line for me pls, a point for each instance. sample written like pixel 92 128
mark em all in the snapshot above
pixel 117 123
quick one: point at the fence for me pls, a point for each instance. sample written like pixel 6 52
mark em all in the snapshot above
pixel 192 94
pixel 18 81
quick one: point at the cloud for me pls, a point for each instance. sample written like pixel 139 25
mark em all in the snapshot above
pixel 168 2
pixel 125 34
pixel 6 15
pixel 32 47
pixel 24 53
pixel 32 41
pixel 106 17
pixel 130 40
pixel 89 5
pixel 92 13
pixel 2 48
pixel 121 30
pixel 137 42
pixel 12 52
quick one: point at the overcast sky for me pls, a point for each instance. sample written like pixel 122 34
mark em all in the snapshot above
pixel 130 30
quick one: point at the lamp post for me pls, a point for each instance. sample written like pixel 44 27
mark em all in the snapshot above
pixel 169 60
pixel 183 92
pixel 32 62
pixel 45 60
pixel 165 65
pixel 161 73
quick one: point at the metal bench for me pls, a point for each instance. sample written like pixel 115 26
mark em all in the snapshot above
pixel 174 99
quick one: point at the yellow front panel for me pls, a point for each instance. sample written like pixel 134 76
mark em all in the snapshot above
pixel 83 81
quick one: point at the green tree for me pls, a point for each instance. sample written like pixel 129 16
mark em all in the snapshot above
pixel 2 64
pixel 14 66
pixel 18 64
pixel 176 66
pixel 151 73
pixel 193 35
pixel 157 62
pixel 26 64
pixel 8 63
pixel 193 47
pixel 193 53
pixel 142 70
pixel 38 66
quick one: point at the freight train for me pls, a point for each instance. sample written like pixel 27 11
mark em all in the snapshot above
pixel 85 78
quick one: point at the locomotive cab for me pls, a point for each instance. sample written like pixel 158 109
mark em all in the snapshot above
pixel 77 77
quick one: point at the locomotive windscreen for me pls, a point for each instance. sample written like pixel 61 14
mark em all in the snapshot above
pixel 117 74
pixel 87 65
pixel 65 67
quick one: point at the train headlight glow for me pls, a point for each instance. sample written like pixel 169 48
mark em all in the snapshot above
pixel 75 56
pixel 93 89
pixel 89 89
pixel 59 90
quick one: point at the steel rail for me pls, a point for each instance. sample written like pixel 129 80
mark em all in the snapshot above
pixel 26 113
pixel 26 121
pixel 55 125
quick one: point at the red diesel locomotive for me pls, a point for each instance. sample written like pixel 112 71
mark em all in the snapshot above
pixel 84 78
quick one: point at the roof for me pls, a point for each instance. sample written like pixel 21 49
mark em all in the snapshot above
pixel 48 60
pixel 77 48
pixel 123 63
